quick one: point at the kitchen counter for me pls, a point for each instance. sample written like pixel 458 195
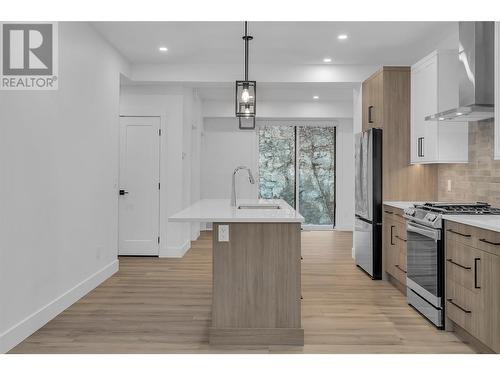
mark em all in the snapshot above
pixel 219 210
pixel 402 205
pixel 256 271
pixel 489 222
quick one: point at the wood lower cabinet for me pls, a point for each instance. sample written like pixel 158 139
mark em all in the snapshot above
pixel 472 282
pixel 394 245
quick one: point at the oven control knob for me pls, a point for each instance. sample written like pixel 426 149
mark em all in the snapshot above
pixel 410 212
pixel 431 217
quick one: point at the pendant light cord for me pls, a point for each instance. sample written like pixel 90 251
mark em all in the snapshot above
pixel 246 38
pixel 246 51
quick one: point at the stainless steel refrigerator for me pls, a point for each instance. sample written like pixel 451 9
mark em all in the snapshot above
pixel 368 202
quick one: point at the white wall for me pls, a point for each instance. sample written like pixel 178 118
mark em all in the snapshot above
pixel 179 111
pixel 357 125
pixel 58 190
pixel 284 109
pixel 196 132
pixel 272 73
pixel 224 147
pixel 357 110
pixel 345 175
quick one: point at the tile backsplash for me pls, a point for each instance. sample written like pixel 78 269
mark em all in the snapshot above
pixel 478 180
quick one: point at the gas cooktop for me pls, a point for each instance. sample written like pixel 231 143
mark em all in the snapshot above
pixel 431 214
pixel 478 208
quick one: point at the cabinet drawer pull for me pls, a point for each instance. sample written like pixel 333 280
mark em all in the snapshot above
pixel 399 268
pixel 458 264
pixel 475 273
pixel 458 306
pixel 392 234
pixel 460 234
pixel 401 239
pixel 388 212
pixel 489 242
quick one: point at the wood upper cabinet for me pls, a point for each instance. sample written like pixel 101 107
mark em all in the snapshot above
pixel 472 279
pixel 434 88
pixel 372 116
pixel 386 103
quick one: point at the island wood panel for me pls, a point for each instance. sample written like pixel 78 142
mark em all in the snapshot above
pixel 163 305
pixel 256 283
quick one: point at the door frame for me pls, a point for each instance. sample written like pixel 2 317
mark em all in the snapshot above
pixel 161 130
pixel 296 123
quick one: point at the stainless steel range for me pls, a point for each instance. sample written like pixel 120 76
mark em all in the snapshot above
pixel 425 253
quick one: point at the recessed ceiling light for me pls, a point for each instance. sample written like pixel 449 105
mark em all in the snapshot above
pixel 315 97
pixel 162 49
pixel 342 37
pixel 327 60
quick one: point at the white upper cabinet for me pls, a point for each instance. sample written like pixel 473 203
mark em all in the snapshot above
pixel 434 88
pixel 497 90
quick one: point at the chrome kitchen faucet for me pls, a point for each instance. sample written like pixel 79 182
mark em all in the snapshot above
pixel 233 187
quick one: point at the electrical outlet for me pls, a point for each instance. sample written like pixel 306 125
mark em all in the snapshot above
pixel 223 233
pixel 448 188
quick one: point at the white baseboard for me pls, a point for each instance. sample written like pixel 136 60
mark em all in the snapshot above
pixel 344 228
pixel 38 319
pixel 195 236
pixel 176 251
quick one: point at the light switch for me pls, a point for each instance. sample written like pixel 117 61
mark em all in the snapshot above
pixel 223 233
pixel 448 188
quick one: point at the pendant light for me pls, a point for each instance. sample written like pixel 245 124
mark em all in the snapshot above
pixel 246 93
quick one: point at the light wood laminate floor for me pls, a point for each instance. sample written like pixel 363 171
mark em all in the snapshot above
pixel 157 305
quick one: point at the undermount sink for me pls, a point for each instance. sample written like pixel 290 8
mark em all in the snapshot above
pixel 266 206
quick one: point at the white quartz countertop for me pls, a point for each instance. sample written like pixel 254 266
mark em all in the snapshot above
pixel 403 205
pixel 490 222
pixel 219 210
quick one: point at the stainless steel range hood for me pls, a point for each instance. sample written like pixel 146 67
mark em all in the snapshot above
pixel 476 76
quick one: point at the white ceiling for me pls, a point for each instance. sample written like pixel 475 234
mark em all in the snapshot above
pixel 374 43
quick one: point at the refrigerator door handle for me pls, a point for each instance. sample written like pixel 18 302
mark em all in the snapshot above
pixel 363 219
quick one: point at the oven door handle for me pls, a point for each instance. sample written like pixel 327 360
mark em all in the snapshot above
pixel 424 231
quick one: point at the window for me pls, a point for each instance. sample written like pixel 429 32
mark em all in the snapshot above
pixel 317 174
pixel 297 164
pixel 277 163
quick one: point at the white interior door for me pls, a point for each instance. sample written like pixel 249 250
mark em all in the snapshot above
pixel 139 199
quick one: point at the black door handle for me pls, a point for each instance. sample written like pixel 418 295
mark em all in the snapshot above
pixel 123 192
pixel 370 119
pixel 475 273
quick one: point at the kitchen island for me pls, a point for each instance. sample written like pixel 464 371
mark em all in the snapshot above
pixel 256 297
